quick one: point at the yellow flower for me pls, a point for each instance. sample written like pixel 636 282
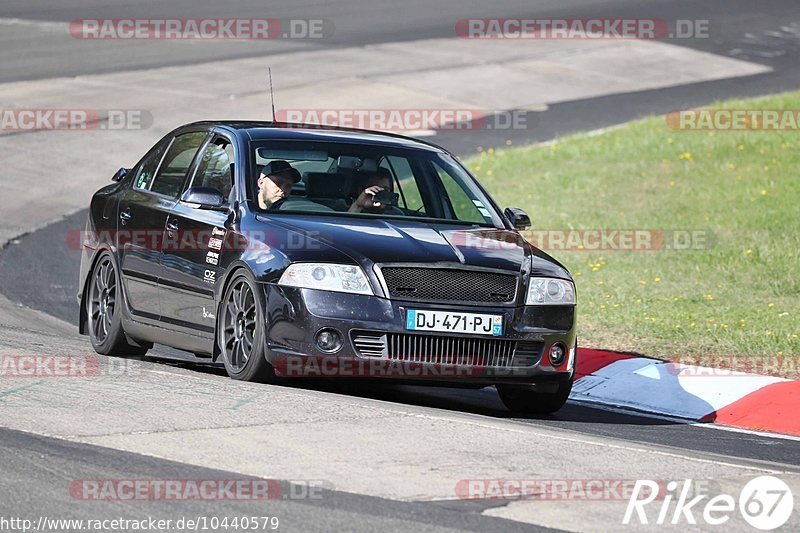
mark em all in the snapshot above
pixel 763 192
pixel 741 147
pixel 489 172
pixel 657 280
pixel 508 142
pixel 643 282
pixel 686 155
pixel 770 305
pixel 490 150
pixel 748 251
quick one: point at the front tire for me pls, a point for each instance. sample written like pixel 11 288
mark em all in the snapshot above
pixel 242 331
pixel 522 399
pixel 104 311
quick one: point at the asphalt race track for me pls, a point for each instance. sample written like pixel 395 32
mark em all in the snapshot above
pixel 388 457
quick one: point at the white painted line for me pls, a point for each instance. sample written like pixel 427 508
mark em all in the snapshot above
pixel 37 24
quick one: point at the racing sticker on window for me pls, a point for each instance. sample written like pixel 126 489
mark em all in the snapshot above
pixel 482 209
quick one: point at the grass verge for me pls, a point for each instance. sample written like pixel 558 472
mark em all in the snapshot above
pixel 735 292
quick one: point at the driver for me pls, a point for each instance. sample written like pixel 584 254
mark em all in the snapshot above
pixel 275 182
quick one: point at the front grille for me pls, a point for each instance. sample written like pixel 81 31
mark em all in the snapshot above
pixel 439 349
pixel 449 285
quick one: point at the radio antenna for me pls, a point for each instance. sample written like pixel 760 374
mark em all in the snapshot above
pixel 271 94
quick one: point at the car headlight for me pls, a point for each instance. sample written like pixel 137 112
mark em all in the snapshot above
pixel 550 291
pixel 326 277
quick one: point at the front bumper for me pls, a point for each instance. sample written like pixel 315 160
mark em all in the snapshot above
pixel 294 316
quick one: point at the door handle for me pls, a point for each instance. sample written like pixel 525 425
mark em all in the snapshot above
pixel 172 227
pixel 125 216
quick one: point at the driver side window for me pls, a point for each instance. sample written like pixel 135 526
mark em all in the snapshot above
pixel 406 184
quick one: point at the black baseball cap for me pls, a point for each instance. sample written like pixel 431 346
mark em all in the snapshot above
pixel 280 167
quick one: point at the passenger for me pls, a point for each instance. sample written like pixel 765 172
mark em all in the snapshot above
pixel 275 183
pixel 372 185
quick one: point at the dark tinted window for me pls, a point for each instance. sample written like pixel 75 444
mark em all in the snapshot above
pixel 180 155
pixel 216 167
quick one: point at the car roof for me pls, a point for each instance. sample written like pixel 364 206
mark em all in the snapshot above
pixel 265 130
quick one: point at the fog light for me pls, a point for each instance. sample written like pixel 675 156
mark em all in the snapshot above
pixel 557 353
pixel 329 340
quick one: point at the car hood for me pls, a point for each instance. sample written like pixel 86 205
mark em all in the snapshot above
pixel 368 241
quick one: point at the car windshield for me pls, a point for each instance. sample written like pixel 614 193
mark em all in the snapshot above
pixel 361 180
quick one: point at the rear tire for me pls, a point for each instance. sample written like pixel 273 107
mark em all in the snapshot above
pixel 104 300
pixel 242 331
pixel 523 399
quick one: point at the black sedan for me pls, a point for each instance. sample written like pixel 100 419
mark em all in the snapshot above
pixel 304 251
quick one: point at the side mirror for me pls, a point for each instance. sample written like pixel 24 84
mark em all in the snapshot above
pixel 519 218
pixel 120 174
pixel 204 197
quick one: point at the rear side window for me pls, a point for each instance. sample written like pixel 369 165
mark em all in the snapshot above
pixel 171 174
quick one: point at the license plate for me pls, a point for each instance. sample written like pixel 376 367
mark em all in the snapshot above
pixel 473 323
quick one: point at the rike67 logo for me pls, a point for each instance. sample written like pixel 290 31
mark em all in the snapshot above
pixel 765 503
